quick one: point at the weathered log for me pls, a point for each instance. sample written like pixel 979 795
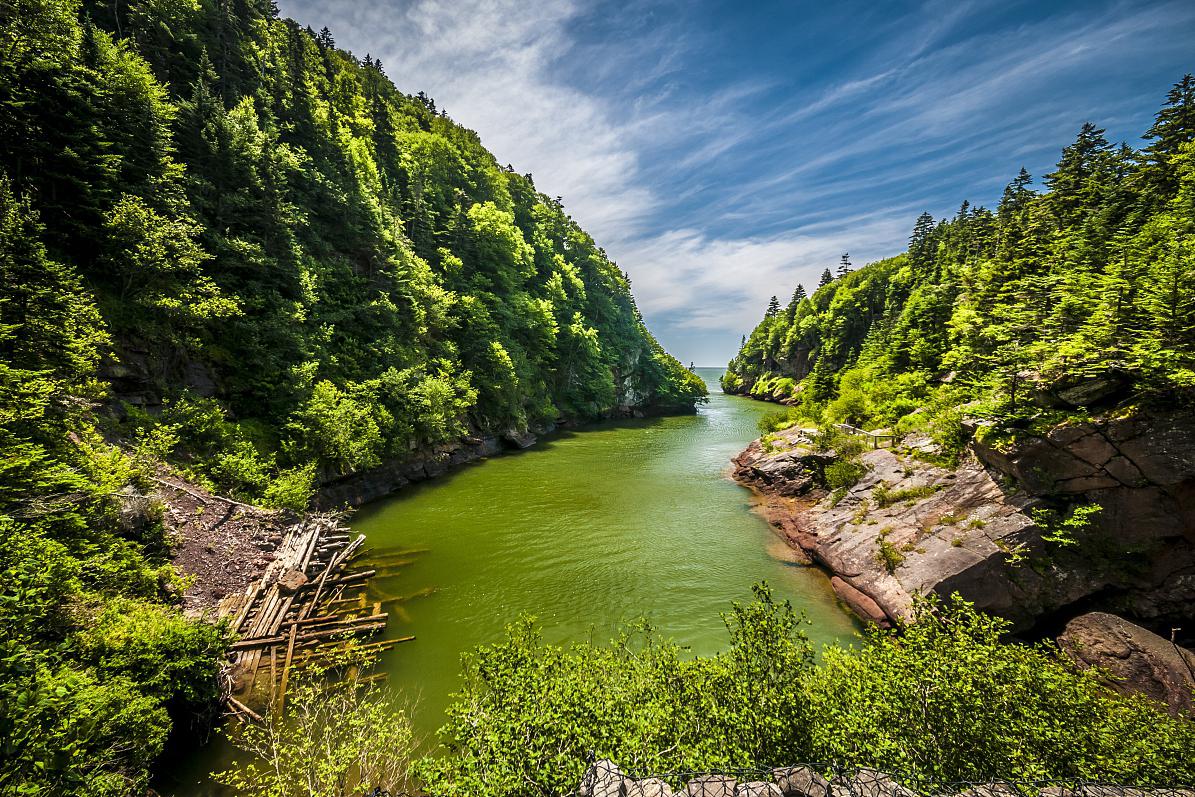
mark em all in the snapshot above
pixel 240 707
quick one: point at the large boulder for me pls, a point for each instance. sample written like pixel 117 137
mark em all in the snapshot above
pixel 649 787
pixel 800 782
pixel 519 438
pixel 603 778
pixel 711 786
pixel 1137 659
pixel 757 788
pixel 866 782
pixel 785 466
pixel 1088 390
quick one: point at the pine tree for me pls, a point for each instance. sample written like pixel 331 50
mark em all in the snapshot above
pixel 844 265
pixel 1173 126
pixel 773 308
pixel 799 296
pixel 1016 194
pixel 826 279
pixel 324 39
pixel 922 245
pixel 1076 183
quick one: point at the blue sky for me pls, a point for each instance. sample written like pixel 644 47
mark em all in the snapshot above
pixel 722 152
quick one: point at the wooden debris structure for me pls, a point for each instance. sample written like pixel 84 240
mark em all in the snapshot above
pixel 305 606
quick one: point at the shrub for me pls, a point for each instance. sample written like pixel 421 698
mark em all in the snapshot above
pixel 888 555
pixel 529 714
pixel 885 496
pixel 844 474
pixel 844 444
pixel 171 657
pixel 775 421
pixel 944 699
pixel 940 699
pixel 333 739
pixel 291 489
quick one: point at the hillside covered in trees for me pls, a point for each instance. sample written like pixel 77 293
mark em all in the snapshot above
pixel 1057 299
pixel 230 247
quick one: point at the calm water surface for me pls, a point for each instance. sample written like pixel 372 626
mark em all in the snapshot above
pixel 585 531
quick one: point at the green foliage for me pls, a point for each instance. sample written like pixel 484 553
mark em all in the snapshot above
pixel 944 699
pixel 333 739
pixel 885 496
pixel 169 657
pixel 844 474
pixel 775 421
pixel 1095 273
pixel 91 653
pixel 530 713
pixel 888 555
pixel 1060 528
pixel 231 248
pixel 940 700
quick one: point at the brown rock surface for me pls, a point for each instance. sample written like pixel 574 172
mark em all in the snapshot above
pixel 1138 659
pixel 910 528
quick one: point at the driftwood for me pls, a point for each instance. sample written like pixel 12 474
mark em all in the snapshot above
pixel 297 611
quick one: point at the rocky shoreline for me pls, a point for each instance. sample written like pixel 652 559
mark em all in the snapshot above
pixel 990 530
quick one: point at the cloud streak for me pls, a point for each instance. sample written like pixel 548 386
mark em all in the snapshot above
pixel 723 157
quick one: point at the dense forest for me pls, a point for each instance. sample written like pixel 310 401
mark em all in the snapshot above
pixel 231 249
pixel 1058 299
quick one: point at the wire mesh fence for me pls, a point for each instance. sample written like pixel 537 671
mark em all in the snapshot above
pixel 604 778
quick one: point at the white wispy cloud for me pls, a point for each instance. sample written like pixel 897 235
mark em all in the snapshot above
pixel 714 194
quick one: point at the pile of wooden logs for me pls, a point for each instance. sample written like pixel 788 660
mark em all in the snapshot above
pixel 305 606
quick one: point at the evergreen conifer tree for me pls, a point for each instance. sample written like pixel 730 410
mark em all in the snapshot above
pixel 799 295
pixel 1173 126
pixel 921 243
pixel 844 265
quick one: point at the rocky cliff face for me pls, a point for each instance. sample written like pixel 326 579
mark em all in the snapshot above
pixel 908 527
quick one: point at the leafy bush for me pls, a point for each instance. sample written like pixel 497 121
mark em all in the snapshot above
pixel 171 658
pixel 776 421
pixel 1060 528
pixel 840 441
pixel 939 700
pixel 944 699
pixel 333 739
pixel 888 555
pixel 885 496
pixel 291 488
pixel 843 474
pixel 530 713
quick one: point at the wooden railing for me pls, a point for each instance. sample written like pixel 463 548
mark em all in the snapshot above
pixel 877 438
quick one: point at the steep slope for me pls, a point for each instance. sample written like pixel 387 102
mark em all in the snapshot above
pixel 229 247
pixel 1089 282
pixel 1048 349
pixel 266 220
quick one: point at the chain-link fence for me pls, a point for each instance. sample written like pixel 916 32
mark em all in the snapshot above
pixel 604 778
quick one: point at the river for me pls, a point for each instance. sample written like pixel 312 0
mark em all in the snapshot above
pixel 587 530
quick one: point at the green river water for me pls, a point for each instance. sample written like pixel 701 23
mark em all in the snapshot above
pixel 586 531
